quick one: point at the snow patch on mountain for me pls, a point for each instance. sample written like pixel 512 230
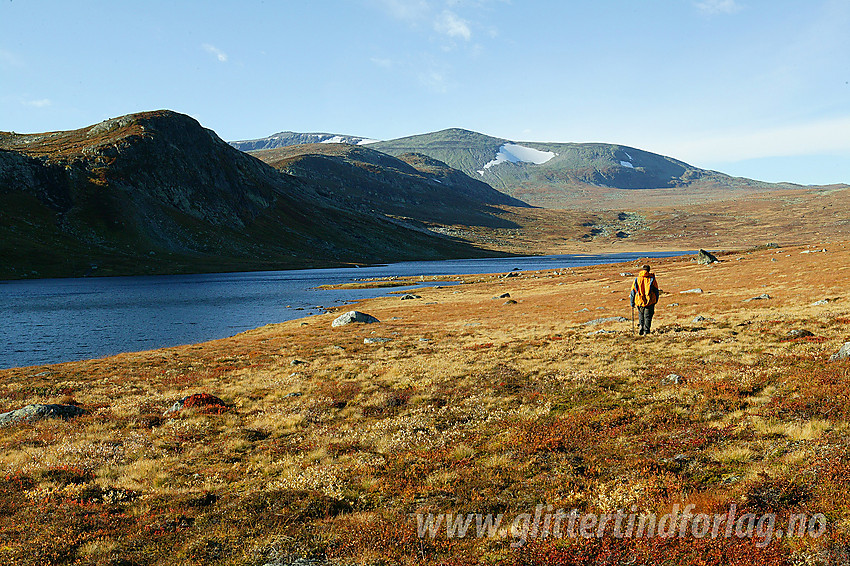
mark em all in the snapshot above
pixel 334 139
pixel 514 153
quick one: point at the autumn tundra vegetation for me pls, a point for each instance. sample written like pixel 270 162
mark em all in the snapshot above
pixel 526 400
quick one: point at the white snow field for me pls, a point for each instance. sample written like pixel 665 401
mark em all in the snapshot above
pixel 514 153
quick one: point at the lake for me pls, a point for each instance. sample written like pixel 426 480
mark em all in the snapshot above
pixel 58 320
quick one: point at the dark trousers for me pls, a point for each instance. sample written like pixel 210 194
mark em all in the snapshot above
pixel 645 318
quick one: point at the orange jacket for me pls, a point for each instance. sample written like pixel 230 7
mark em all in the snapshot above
pixel 645 290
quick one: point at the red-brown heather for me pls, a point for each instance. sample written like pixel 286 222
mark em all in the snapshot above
pixel 473 406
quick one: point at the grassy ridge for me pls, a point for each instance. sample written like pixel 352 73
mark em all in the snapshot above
pixel 474 405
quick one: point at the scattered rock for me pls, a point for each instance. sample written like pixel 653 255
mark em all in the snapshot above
pixel 353 316
pixel 601 331
pixel 699 318
pixel 674 304
pixel 842 353
pixel 813 251
pixel 672 379
pixel 297 362
pixel 204 401
pixel 509 302
pixel 294 394
pixel 38 412
pixel 627 274
pixel 761 297
pixel 376 340
pixel 604 320
pixel 409 296
pixel 511 274
pixel 821 302
pixel 585 309
pixel 799 333
pixel 697 291
pixel 705 258
pixel 503 296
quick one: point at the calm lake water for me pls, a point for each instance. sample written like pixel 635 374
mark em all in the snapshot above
pixel 59 320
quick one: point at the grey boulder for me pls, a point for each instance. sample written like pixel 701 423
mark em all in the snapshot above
pixel 842 354
pixel 353 316
pixel 38 411
pixel 706 258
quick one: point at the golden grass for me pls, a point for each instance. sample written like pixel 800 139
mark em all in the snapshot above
pixel 501 407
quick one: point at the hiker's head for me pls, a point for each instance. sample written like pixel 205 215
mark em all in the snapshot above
pixel 646 268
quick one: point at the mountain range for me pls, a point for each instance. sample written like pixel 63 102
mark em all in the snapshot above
pixel 155 192
pixel 550 175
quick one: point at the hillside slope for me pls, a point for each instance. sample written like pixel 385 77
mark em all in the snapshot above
pixel 155 193
pixel 553 174
pixel 412 185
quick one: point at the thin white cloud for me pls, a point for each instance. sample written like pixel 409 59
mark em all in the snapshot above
pixel 810 138
pixel 409 10
pixel 434 80
pixel 40 103
pixel 714 7
pixel 382 62
pixel 218 53
pixel 448 23
pixel 9 59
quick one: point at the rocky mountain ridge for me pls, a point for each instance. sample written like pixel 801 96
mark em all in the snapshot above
pixel 155 192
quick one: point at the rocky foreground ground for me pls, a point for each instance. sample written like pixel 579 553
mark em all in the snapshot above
pixel 303 443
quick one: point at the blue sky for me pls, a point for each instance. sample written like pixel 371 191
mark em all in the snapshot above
pixel 756 88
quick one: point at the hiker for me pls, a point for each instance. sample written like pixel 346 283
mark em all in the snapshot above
pixel 644 295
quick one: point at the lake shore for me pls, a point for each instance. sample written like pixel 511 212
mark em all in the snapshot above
pixel 475 402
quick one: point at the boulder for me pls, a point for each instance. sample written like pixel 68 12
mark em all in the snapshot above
pixel 376 340
pixel 672 379
pixel 503 296
pixel 799 333
pixel 842 354
pixel 204 401
pixel 409 296
pixel 761 297
pixel 706 258
pixel 821 302
pixel 696 291
pixel 353 316
pixel 509 302
pixel 38 412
